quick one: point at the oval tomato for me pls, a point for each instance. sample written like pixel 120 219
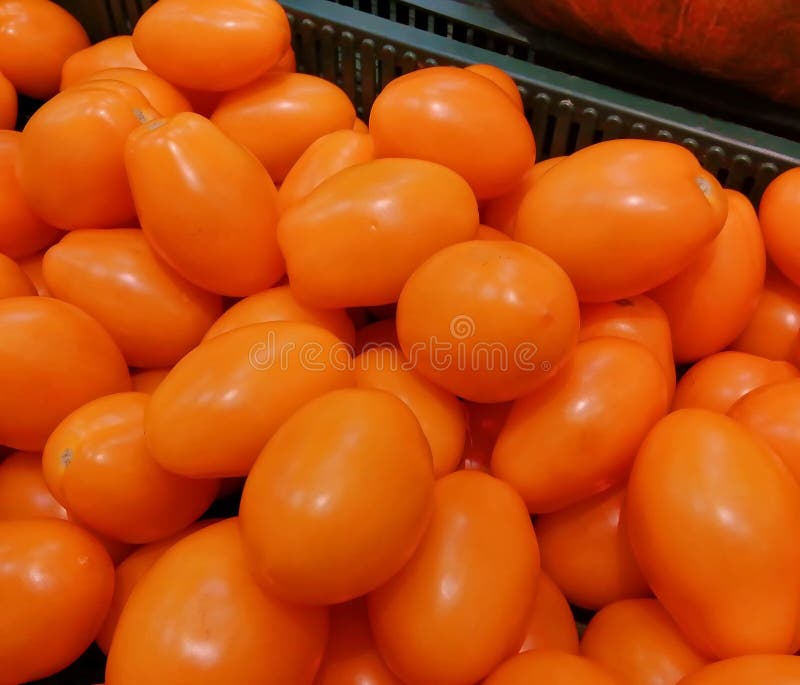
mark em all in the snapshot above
pixel 697 499
pixel 780 203
pixel 111 53
pixel 245 636
pixel 165 98
pixel 56 358
pixel 746 670
pixel 488 321
pixel 154 315
pixel 219 405
pixel 205 45
pixel 13 281
pixel 431 114
pixel 23 491
pixel 8 104
pixel 55 588
pixel 554 667
pixel 470 582
pixel 360 251
pixel 551 624
pixel 501 79
pixel 587 213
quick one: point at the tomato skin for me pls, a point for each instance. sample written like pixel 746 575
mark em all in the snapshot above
pixel 111 53
pixel 376 335
pixel 430 114
pixel 217 234
pixel 501 79
pixel 720 380
pixel 23 492
pixel 13 281
pixel 779 204
pixel 71 155
pixel 587 213
pixel 551 624
pixel 215 411
pixel 154 315
pixel 553 668
pixel 165 98
pixel 297 108
pixel 746 670
pixel 360 252
pixel 249 635
pixel 8 104
pixel 32 268
pixel 710 302
pixel 694 465
pixel 489 233
pixel 488 321
pixel 471 581
pixel 586 551
pixel 52 378
pixel 637 639
pixel 484 423
pixel 280 304
pixel 55 587
pixel 37 38
pixel 359 126
pixel 325 157
pixel 439 413
pixel 583 427
pixel 207 46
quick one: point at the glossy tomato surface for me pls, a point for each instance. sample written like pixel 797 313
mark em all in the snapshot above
pixel 501 79
pixel 23 491
pixel 553 668
pixel 165 98
pixel 764 670
pixel 13 280
pixel 551 624
pixel 8 104
pixel 779 206
pixel 111 53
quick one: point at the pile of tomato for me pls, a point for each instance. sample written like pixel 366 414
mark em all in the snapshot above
pixel 437 377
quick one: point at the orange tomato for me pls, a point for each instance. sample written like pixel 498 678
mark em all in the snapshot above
pixel 22 233
pixel 552 667
pixel 56 358
pixel 439 413
pixel 36 38
pixel 484 423
pixel 204 45
pixel 154 315
pixel 318 538
pixel 773 329
pixel 585 550
pixel 111 53
pixel 359 126
pixel 713 517
pixel 780 203
pixel 55 588
pixel 710 302
pixel 746 670
pixel 577 436
pixel 218 234
pixel 219 405
pixel 8 104
pixel 488 321
pixel 351 656
pixel 719 381
pixel 489 233
pixel 360 251
pixel 23 492
pixel 32 268
pixel 551 624
pixel 297 108
pixel 165 98
pixel 501 79
pixel 288 63
pixel 637 640
pixel 431 114
pixel 377 335
pixel 13 281
pixel 70 160
pixel 470 582
pixel 280 304
pixel 244 635
pixel 587 213
pixel 325 157
pixel 97 465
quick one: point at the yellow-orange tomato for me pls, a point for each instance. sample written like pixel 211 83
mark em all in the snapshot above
pixel 461 605
pixel 710 302
pixel 713 517
pixel 501 79
pixel 23 492
pixel 206 205
pixel 96 463
pixel 719 381
pixel 551 624
pixel 324 158
pixel 439 413
pixel 747 670
pixel 165 98
pixel 220 404
pixel 431 114
pixel 488 321
pixel 351 656
pixel 22 233
pixel 71 155
pixel 36 38
pixel 280 304
pixel 585 550
pixel 489 233
pixel 552 667
pixel 199 616
pixel 111 53
pixel 376 335
pixel 296 108
pixel 32 268
pixel 205 45
pixel 154 315
pixel 13 281
pixel 8 103
pixel 578 434
pixel 56 582
pixel 637 640
pixel 779 206
pixel 317 539
pixel 587 213
pixel 356 238
pixel 56 358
